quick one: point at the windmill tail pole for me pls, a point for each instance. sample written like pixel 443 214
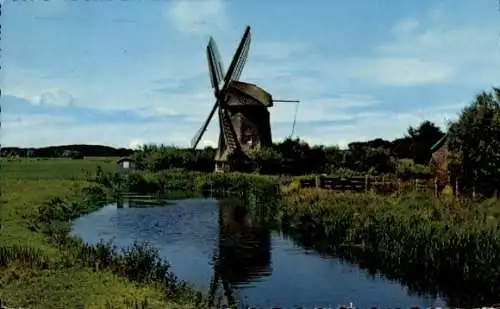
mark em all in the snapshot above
pixel 294 118
pixel 287 101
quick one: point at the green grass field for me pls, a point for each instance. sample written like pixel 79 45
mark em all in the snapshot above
pixel 26 184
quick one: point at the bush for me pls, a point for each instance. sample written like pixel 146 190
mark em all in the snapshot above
pixel 408 169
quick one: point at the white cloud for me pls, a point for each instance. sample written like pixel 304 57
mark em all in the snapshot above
pixel 39 130
pixel 465 54
pixel 54 97
pixel 399 71
pixel 198 17
pixel 136 144
pixel 35 130
pixel 207 143
pixel 405 27
pixel 387 125
pixel 325 109
pixel 13 122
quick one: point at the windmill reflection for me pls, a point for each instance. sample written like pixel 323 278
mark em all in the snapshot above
pixel 244 251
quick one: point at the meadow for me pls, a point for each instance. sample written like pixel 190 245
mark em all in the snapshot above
pixel 42 267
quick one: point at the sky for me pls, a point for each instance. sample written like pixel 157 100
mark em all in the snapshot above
pixel 128 72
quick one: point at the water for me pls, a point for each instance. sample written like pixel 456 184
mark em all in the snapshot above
pixel 263 267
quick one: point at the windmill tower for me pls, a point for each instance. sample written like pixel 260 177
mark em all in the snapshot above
pixel 244 119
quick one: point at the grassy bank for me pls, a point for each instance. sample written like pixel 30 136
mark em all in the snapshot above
pixel 189 182
pixel 429 244
pixel 41 267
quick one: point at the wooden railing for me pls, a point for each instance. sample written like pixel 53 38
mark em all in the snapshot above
pixel 365 183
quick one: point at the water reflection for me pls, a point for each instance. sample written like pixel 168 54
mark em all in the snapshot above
pixel 219 247
pixel 244 251
pixel 454 290
pixel 131 202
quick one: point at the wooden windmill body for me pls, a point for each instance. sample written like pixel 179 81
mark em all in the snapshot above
pixel 244 119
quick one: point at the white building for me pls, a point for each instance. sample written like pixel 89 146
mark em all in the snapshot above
pixel 125 164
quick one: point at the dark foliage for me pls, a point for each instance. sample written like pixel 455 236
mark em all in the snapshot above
pixel 296 157
pixel 474 144
pixel 71 151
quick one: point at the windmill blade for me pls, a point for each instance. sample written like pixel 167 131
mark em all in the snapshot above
pixel 239 59
pixel 216 76
pixel 212 71
pixel 242 60
pixel 213 56
pixel 196 139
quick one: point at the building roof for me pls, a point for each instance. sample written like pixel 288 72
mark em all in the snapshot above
pixel 439 143
pixel 123 159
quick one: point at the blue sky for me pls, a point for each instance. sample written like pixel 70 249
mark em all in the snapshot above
pixel 122 73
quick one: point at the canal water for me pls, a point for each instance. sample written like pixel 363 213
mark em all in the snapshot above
pixel 263 267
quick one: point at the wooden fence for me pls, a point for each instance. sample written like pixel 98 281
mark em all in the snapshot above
pixel 366 183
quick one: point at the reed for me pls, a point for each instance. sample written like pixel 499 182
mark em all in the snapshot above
pixel 188 181
pixel 443 240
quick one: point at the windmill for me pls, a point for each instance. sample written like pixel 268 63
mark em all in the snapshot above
pixel 244 121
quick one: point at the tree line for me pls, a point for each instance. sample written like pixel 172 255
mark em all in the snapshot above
pixel 408 155
pixel 70 151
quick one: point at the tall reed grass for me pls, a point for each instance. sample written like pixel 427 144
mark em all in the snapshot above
pixel 451 244
pixel 188 181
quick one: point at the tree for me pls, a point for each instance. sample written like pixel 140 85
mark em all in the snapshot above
pixel 474 139
pixel 379 160
pixel 421 140
pixel 267 161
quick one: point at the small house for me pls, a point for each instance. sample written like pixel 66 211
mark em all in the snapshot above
pixel 439 158
pixel 125 164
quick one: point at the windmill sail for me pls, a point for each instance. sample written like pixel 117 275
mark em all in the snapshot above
pixel 196 139
pixel 241 60
pixel 236 66
pixel 214 56
pixel 216 70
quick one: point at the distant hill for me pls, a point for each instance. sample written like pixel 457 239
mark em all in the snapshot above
pixel 66 151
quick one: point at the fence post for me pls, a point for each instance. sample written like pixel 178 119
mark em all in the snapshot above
pixel 317 182
pixel 366 183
